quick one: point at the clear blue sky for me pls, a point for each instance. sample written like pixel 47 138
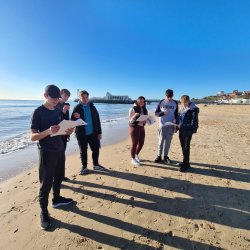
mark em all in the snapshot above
pixel 134 47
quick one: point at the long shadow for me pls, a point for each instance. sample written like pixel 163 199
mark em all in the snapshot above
pixel 221 205
pixel 101 237
pixel 162 238
pixel 219 171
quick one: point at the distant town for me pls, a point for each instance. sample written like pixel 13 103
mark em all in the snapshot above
pixel 235 97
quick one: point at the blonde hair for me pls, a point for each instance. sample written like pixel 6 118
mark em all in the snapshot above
pixel 185 98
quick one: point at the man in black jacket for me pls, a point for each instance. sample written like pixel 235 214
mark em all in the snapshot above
pixel 188 124
pixel 91 134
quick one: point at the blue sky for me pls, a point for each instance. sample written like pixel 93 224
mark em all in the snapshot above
pixel 124 47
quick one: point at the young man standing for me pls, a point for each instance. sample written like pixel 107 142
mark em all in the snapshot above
pixel 167 111
pixel 64 107
pixel 91 134
pixel 44 123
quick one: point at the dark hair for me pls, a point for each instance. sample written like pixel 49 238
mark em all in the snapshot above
pixel 65 91
pixel 144 106
pixel 84 92
pixel 139 98
pixel 169 93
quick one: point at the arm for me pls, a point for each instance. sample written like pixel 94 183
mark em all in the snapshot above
pixel 132 116
pixel 191 125
pixel 75 113
pixel 176 116
pixel 35 135
pixel 98 122
pixel 158 111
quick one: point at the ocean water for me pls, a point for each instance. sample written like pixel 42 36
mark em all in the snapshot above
pixel 15 121
pixel 18 153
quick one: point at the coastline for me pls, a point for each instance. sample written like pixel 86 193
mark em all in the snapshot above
pixel 153 206
pixel 23 160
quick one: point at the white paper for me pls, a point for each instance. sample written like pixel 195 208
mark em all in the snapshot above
pixel 142 118
pixel 151 120
pixel 66 124
pixel 169 124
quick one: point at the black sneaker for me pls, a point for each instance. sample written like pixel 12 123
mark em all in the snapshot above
pixel 167 160
pixel 45 221
pixel 158 159
pixel 61 201
pixel 84 171
pixel 66 179
pixel 183 165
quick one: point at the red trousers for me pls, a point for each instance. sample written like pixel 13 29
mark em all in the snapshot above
pixel 137 134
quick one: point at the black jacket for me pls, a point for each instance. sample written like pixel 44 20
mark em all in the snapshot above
pixel 80 130
pixel 189 123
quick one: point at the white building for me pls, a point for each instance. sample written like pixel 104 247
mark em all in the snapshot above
pixel 116 97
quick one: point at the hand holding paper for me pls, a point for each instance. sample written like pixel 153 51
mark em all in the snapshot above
pixel 67 124
pixel 142 118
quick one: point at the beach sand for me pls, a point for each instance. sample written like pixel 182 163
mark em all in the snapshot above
pixel 153 206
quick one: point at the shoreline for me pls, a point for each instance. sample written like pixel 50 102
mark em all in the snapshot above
pixel 24 160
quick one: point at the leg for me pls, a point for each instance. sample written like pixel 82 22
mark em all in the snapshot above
pixel 134 134
pixel 141 139
pixel 59 174
pixel 168 138
pixel 47 166
pixel 83 146
pixel 181 137
pixel 94 144
pixel 186 150
pixel 161 138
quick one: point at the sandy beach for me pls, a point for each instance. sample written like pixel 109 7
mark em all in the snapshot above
pixel 153 206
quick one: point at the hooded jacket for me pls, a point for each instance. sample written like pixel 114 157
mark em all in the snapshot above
pixel 188 118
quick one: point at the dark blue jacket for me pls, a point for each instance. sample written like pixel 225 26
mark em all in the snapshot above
pixel 189 123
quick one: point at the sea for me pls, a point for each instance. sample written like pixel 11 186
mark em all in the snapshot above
pixel 17 151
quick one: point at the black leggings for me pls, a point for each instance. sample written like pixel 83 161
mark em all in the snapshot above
pixel 185 139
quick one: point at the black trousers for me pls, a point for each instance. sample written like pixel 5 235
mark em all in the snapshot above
pixel 185 139
pixel 51 173
pixel 94 143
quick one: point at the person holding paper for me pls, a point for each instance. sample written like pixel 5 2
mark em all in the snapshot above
pixel 91 134
pixel 44 123
pixel 187 126
pixel 167 111
pixel 64 107
pixel 136 128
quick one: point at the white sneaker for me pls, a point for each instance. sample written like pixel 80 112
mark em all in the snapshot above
pixel 135 162
pixel 137 158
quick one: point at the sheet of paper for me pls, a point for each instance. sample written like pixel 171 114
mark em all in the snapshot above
pixel 65 124
pixel 169 124
pixel 142 118
pixel 151 120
